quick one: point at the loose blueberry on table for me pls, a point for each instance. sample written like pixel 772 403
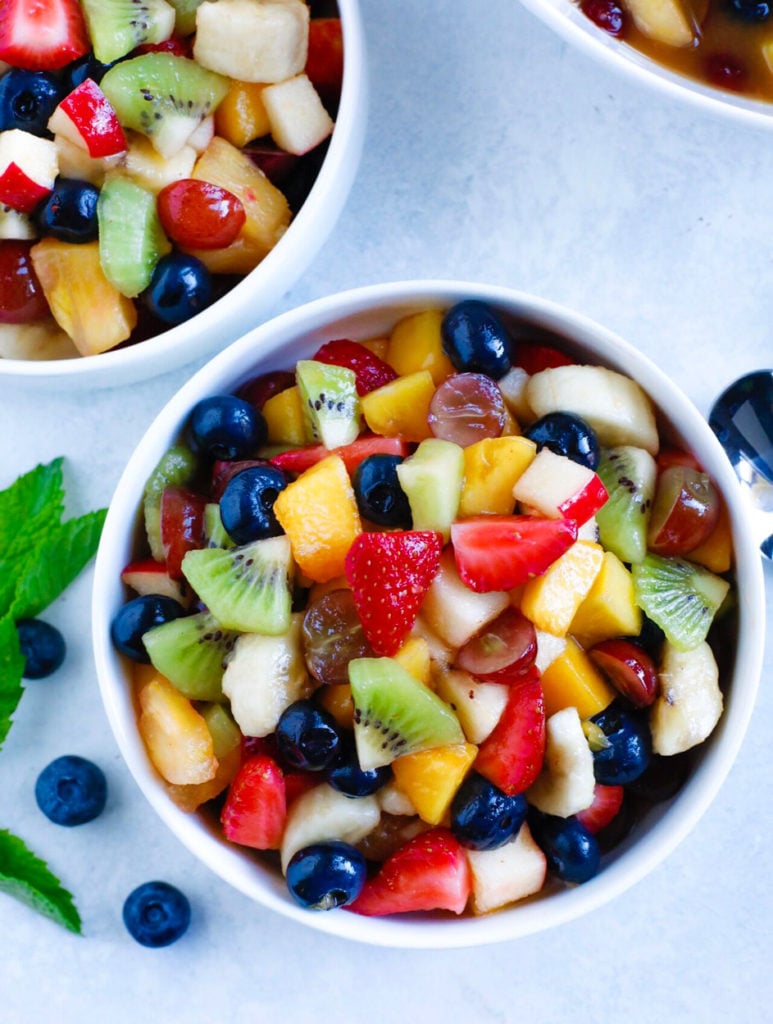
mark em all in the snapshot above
pixel 430 652
pixel 71 790
pixel 156 914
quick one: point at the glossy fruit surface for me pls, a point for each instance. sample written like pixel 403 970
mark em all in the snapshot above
pixel 370 371
pixel 348 777
pixel 71 790
pixel 226 427
pixel 156 914
pixel 467 407
pixel 247 503
pixel 42 646
pixel 180 287
pixel 628 745
pixel 629 668
pixel 751 10
pixel 307 737
pixel 505 648
pixel 21 296
pixel 136 617
pixel 476 340
pixel 255 808
pixel 70 212
pixel 566 434
pixel 42 36
pixel 572 852
pixel 258 390
pixel 380 498
pixel 326 875
pixel 27 100
pixel 296 460
pixel 482 816
pixel 685 511
pixel 607 14
pixel 182 526
pixel 199 214
pixel 512 754
pixel 333 636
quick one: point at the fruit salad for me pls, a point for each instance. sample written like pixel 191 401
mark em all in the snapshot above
pixel 148 163
pixel 722 43
pixel 428 621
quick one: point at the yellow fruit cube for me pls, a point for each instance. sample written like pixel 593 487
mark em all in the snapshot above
pixel 417 344
pixel 175 734
pixel 609 608
pixel 491 467
pixel 318 512
pixel 551 600
pixel 415 658
pixel 241 116
pixel 83 302
pixel 572 680
pixel 285 419
pixel 430 778
pixel 401 408
pixel 226 741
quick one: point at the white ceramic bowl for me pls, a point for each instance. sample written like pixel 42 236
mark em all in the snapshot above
pixel 566 18
pixel 258 292
pixel 364 313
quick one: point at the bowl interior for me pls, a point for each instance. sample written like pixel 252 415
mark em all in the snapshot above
pixel 364 313
pixel 255 295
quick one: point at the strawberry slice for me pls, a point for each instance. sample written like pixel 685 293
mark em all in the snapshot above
pixel 255 809
pixel 182 526
pixel 370 371
pixel 502 552
pixel 42 36
pixel 511 756
pixel 297 460
pixel 430 872
pixel 389 574
pixel 607 801
pixel 534 358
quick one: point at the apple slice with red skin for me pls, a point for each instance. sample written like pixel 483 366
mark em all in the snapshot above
pixel 629 668
pixel 685 511
pixel 607 801
pixel 182 526
pixel 86 118
pixel 146 576
pixel 556 486
pixel 502 651
pixel 28 169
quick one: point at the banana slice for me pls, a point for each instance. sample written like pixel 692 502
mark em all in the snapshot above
pixel 567 782
pixel 690 701
pixel 323 814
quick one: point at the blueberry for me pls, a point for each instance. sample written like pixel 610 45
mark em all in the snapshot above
pixel 380 498
pixel 482 816
pixel 566 434
pixel 247 503
pixel 136 617
pixel 751 10
pixel 42 646
pixel 326 875
pixel 226 427
pixel 181 286
pixel 347 777
pixel 71 790
pixel 662 778
pixel 629 745
pixel 156 914
pixel 571 851
pixel 27 100
pixel 476 340
pixel 70 212
pixel 79 70
pixel 307 737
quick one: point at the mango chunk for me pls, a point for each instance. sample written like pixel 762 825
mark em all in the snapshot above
pixel 572 680
pixel 175 734
pixel 416 344
pixel 491 468
pixel 430 778
pixel 609 608
pixel 551 600
pixel 401 408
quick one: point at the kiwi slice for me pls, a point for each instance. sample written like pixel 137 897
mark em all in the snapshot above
pixel 117 26
pixel 395 714
pixel 185 15
pixel 246 588
pixel 629 474
pixel 331 405
pixel 131 239
pixel 192 654
pixel 176 468
pixel 163 96
pixel 679 596
pixel 215 534
pixel 432 479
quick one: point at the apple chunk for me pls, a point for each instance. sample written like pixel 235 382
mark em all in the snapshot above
pixel 86 118
pixel 556 487
pixel 298 119
pixel 28 169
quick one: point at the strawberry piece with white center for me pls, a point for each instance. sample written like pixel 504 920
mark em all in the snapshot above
pixel 28 169
pixel 512 755
pixel 86 118
pixel 42 36
pixel 430 872
pixel 557 487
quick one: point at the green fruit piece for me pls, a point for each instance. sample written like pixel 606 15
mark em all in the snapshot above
pixel 176 468
pixel 395 714
pixel 629 475
pixel 215 534
pixel 163 96
pixel 131 239
pixel 246 588
pixel 225 733
pixel 191 652
pixel 117 26
pixel 331 404
pixel 432 480
pixel 185 15
pixel 679 596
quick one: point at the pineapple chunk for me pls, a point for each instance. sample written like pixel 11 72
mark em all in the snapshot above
pixel 42 339
pixel 668 21
pixel 507 874
pixel 690 700
pixel 430 778
pixel 176 736
pixel 264 675
pixel 252 40
pixel 551 600
pixel 322 814
pixel 145 165
pixel 298 120
pixel 226 741
pixel 566 783
pixel 416 344
pixel 491 468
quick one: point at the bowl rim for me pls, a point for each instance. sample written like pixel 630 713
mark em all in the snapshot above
pixel 568 21
pixel 279 269
pixel 260 348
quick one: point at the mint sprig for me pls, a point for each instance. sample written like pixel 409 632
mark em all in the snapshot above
pixel 40 555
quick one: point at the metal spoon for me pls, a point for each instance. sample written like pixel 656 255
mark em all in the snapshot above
pixel 742 419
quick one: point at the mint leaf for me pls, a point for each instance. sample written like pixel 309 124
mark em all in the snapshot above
pixel 59 556
pixel 11 669
pixel 27 878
